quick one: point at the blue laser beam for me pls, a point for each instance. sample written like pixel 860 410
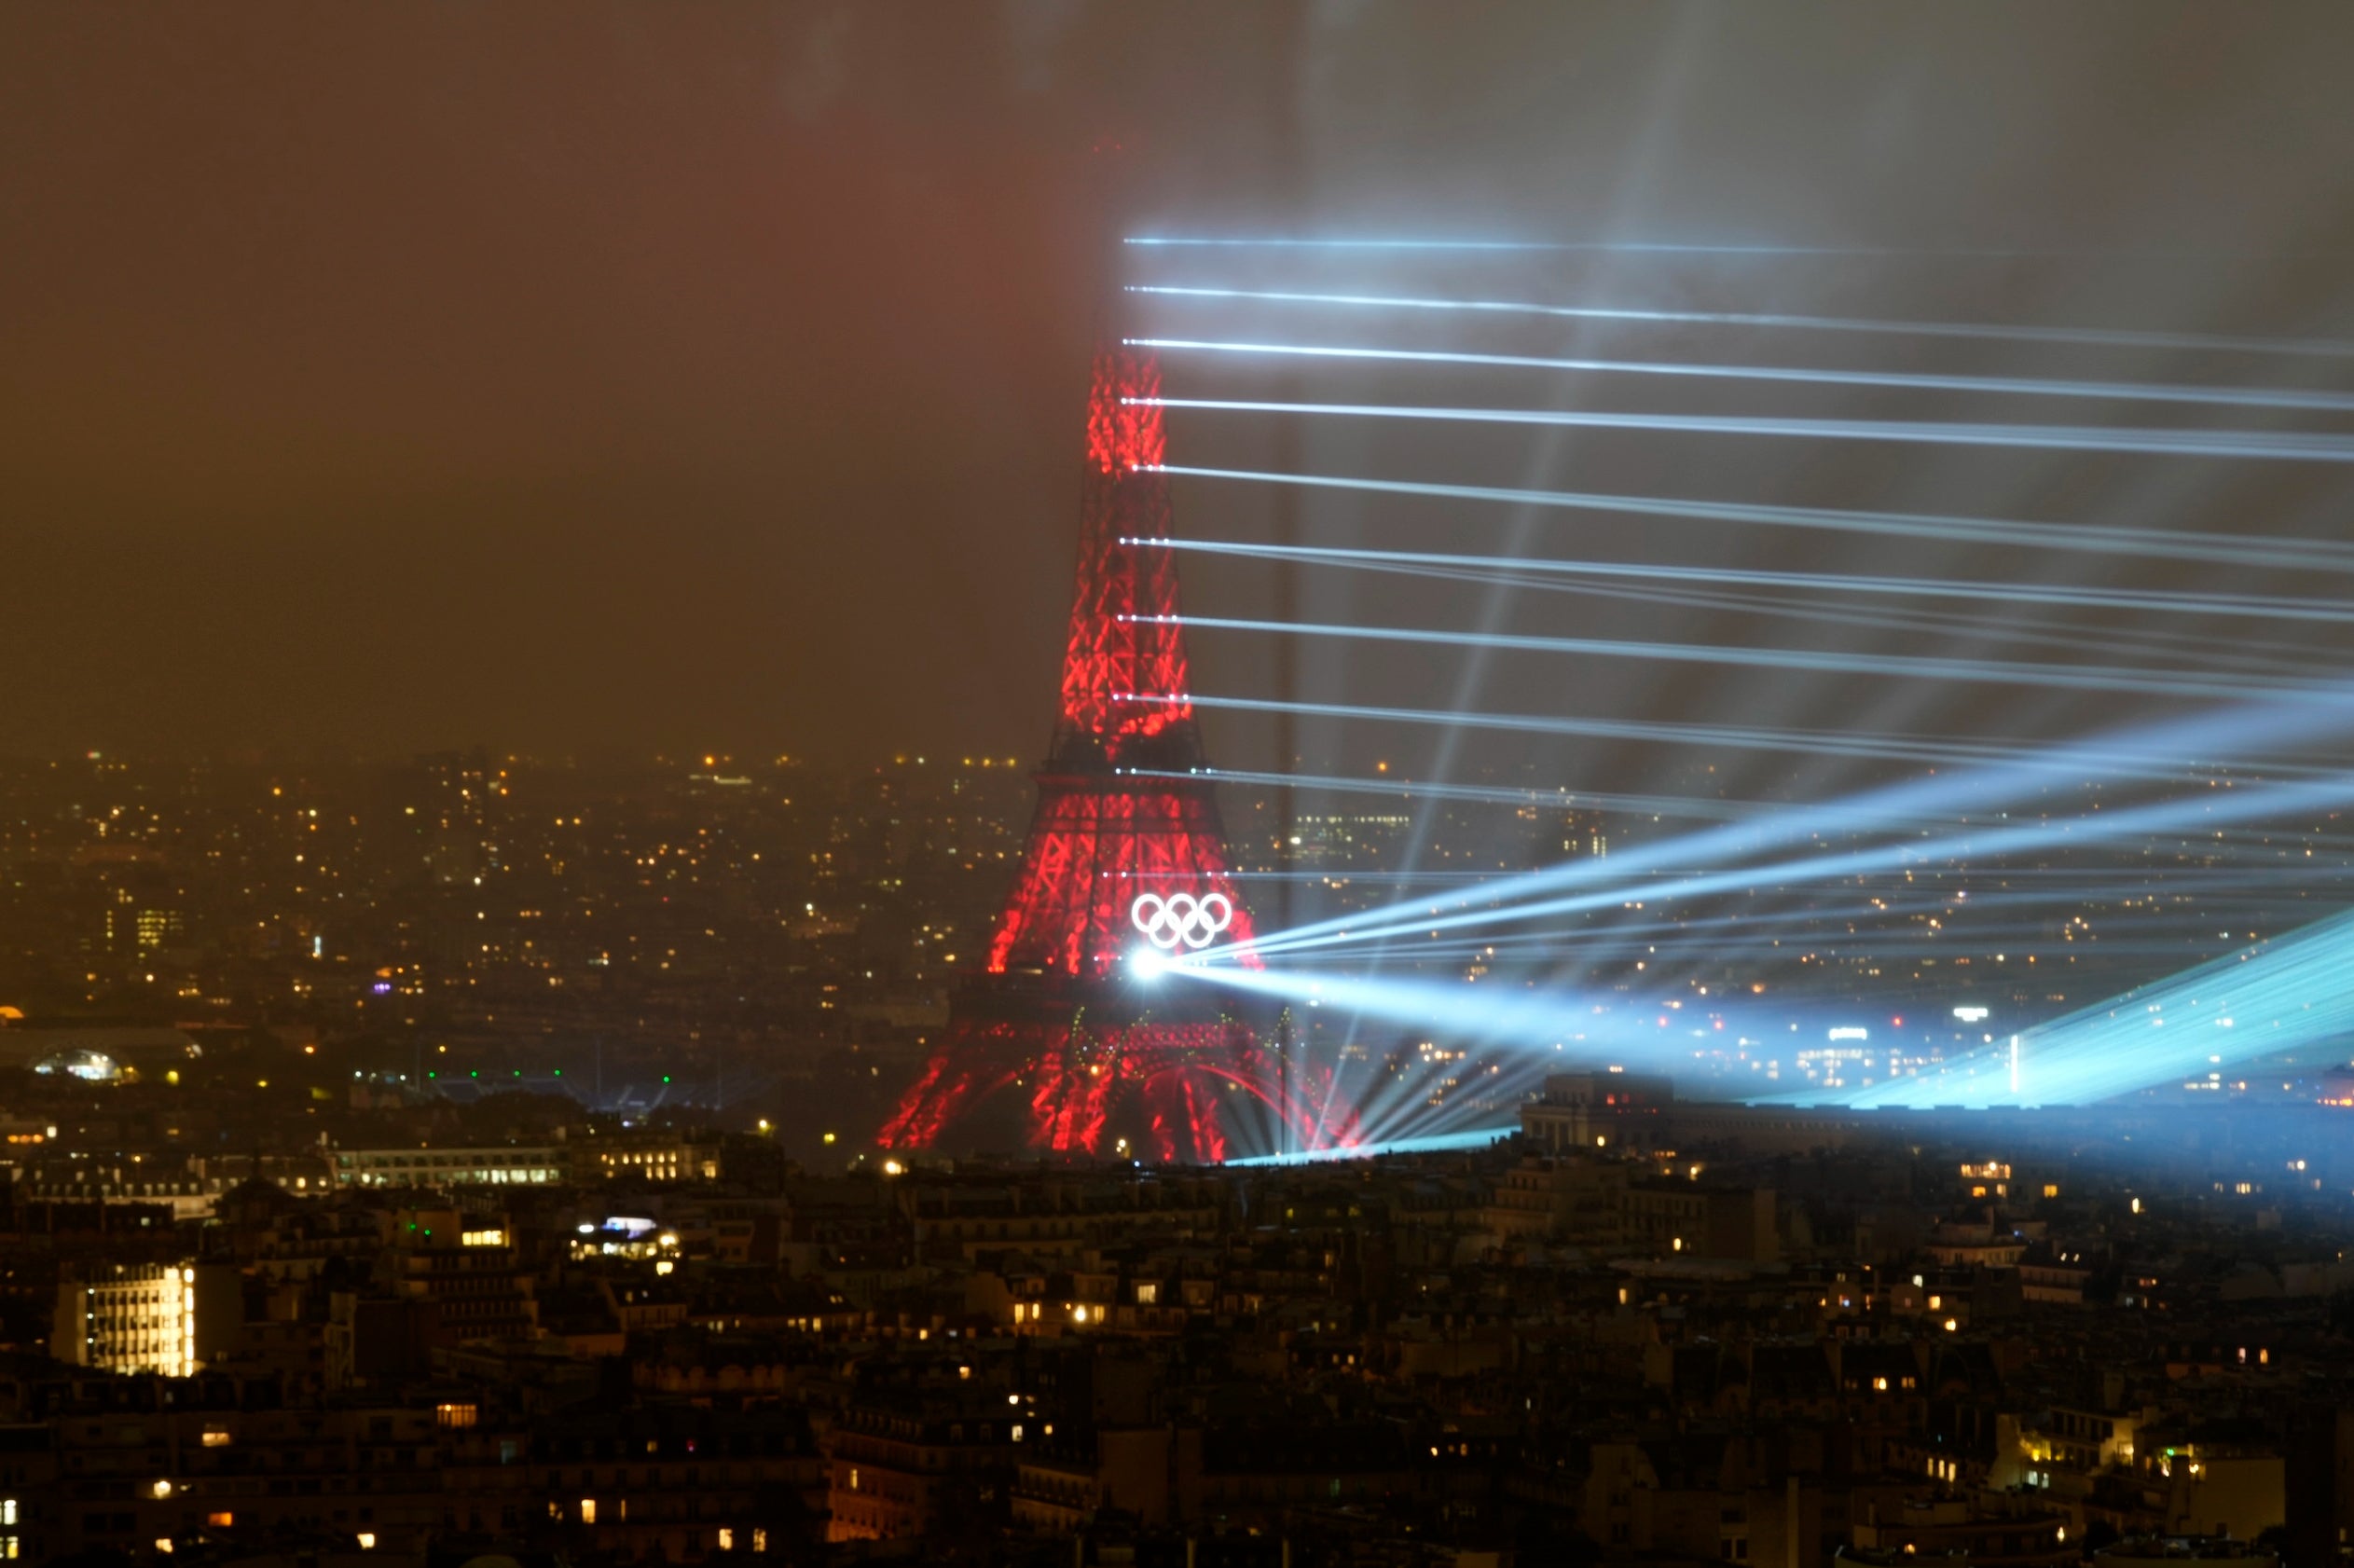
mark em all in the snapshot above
pixel 1991 841
pixel 1666 247
pixel 2219 548
pixel 2286 994
pixel 2086 677
pixel 1287 242
pixel 1435 1143
pixel 1507 1015
pixel 1177 242
pixel 2257 446
pixel 2294 991
pixel 2082 337
pixel 1883 380
pixel 1682 807
pixel 2242 653
pixel 2168 602
pixel 1985 787
pixel 1563 800
pixel 2122 762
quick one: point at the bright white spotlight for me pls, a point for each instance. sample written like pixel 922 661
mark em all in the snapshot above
pixel 1147 964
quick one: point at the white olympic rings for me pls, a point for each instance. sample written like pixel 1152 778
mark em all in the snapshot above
pixel 1181 919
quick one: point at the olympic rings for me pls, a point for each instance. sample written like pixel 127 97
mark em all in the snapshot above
pixel 1181 919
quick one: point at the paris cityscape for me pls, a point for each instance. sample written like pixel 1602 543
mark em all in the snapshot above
pixel 1169 787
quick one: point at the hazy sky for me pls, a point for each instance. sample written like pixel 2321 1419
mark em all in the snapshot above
pixel 571 375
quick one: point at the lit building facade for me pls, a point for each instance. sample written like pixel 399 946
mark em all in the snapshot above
pixel 452 1167
pixel 162 1318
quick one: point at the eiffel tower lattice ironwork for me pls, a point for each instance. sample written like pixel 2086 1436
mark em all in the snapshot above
pixel 1056 1043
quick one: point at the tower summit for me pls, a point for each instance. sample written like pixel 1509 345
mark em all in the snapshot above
pixel 1126 856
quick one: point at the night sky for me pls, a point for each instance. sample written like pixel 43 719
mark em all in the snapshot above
pixel 577 379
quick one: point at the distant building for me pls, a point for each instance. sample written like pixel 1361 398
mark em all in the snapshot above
pixel 167 1318
pixel 527 1166
pixel 1703 1221
pixel 1952 1528
pixel 1595 1201
pixel 458 816
pixel 898 1466
pixel 1590 1110
pixel 1638 1113
pixel 655 1157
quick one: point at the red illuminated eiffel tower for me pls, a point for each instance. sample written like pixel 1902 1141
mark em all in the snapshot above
pixel 1059 1042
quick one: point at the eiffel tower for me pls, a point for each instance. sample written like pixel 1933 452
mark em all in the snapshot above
pixel 1060 1041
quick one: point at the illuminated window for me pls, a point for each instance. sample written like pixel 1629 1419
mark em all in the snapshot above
pixel 456 1418
pixel 220 1522
pixel 588 1510
pixel 217 1437
pixel 727 1538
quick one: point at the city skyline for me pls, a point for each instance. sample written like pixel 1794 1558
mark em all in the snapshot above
pixel 1674 887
